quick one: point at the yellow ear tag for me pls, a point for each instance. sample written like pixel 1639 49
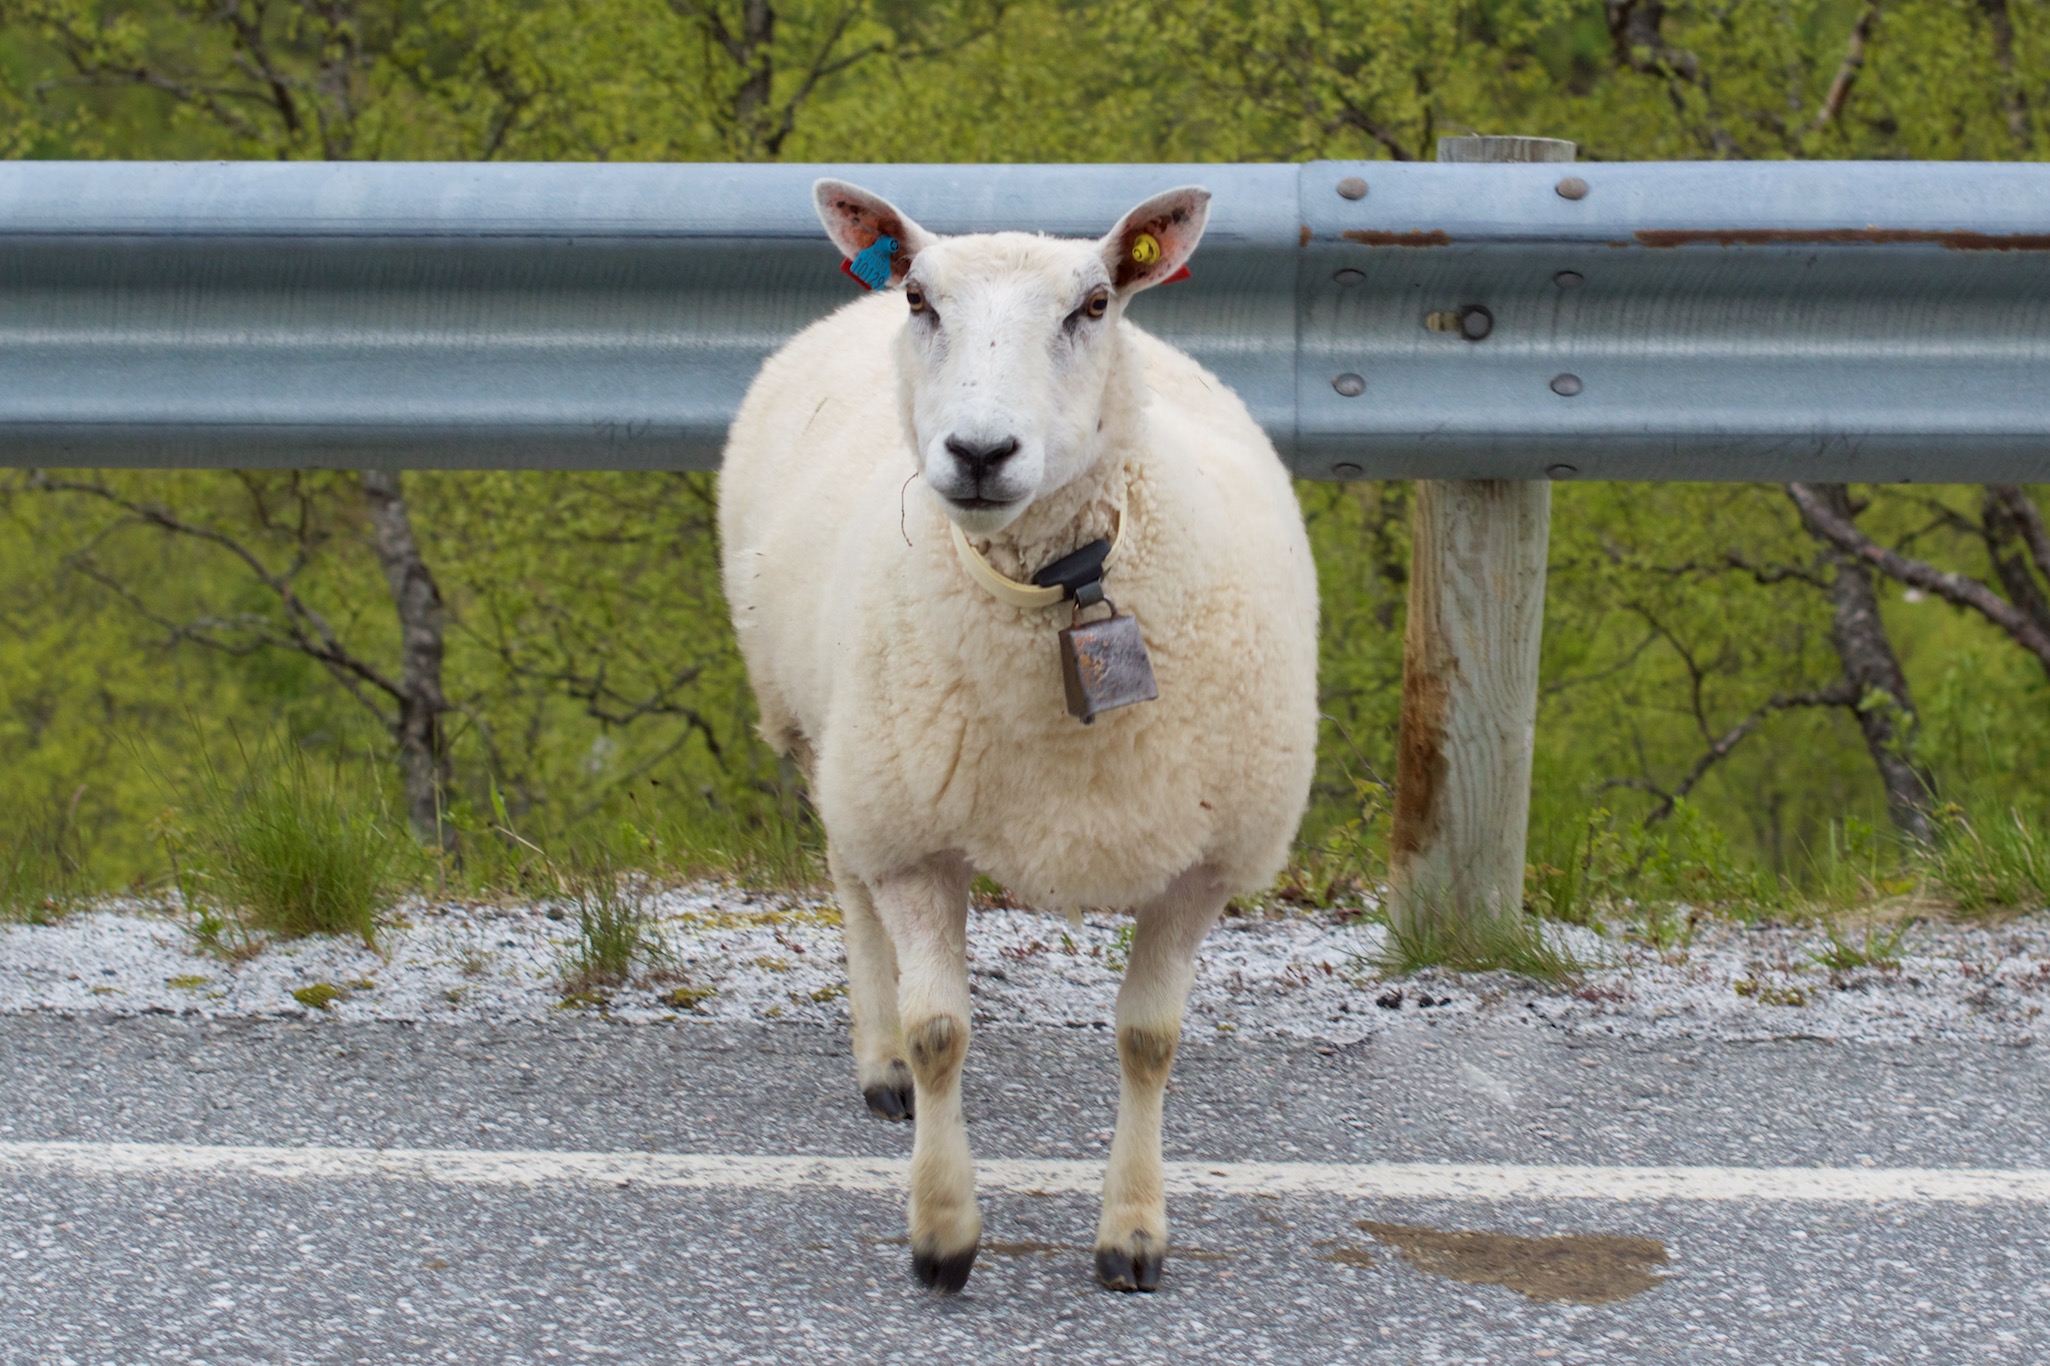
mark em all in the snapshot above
pixel 1145 249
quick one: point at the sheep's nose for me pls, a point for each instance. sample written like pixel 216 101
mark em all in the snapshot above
pixel 980 457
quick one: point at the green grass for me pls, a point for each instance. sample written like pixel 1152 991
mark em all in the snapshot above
pixel 615 927
pixel 269 840
pixel 290 848
pixel 1878 948
pixel 1488 944
pixel 1120 955
pixel 42 867
pixel 1660 882
pixel 1988 865
pixel 777 856
pixel 499 854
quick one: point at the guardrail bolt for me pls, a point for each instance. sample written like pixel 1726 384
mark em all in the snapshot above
pixel 1470 321
pixel 1569 279
pixel 1565 386
pixel 1352 187
pixel 1349 385
pixel 1349 276
pixel 1572 187
pixel 1346 470
pixel 1561 471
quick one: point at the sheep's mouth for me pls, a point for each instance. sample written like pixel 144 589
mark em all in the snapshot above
pixel 978 503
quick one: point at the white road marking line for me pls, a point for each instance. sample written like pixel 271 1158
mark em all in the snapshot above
pixel 718 1171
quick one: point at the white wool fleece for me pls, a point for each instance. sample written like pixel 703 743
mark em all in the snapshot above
pixel 932 717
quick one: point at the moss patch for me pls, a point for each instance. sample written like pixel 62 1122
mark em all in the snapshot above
pixel 319 996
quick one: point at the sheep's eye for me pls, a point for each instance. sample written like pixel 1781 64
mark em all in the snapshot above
pixel 915 296
pixel 1098 305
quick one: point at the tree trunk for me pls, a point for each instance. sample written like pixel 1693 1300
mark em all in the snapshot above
pixel 2019 547
pixel 423 752
pixel 755 52
pixel 1878 687
pixel 2014 100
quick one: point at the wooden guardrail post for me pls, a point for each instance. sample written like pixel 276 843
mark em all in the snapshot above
pixel 1470 672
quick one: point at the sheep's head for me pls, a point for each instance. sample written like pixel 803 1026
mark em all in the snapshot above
pixel 1010 342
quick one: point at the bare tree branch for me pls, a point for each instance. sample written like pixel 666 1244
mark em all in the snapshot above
pixel 821 67
pixel 1838 694
pixel 1351 116
pixel 2007 533
pixel 1637 37
pixel 2028 522
pixel 1766 575
pixel 306 630
pixel 709 19
pixel 2014 98
pixel 1622 665
pixel 1959 590
pixel 1847 72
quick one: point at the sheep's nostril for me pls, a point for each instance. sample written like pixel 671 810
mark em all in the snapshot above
pixel 979 457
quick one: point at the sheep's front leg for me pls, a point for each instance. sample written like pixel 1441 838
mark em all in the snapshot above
pixel 879 1068
pixel 1131 1237
pixel 925 910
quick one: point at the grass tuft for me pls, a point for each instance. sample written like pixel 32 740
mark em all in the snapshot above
pixel 1488 944
pixel 42 867
pixel 2001 864
pixel 615 925
pixel 1879 948
pixel 292 849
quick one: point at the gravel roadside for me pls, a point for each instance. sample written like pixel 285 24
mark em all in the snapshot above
pixel 734 955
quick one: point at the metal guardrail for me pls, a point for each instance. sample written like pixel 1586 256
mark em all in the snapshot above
pixel 1867 321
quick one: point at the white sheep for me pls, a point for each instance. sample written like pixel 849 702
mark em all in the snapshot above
pixel 1001 390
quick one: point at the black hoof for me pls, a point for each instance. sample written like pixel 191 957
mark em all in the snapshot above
pixel 945 1274
pixel 1138 1269
pixel 890 1098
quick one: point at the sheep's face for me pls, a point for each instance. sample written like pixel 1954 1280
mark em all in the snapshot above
pixel 1010 344
pixel 1006 354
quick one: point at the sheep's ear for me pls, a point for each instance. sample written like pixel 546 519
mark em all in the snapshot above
pixel 1151 244
pixel 856 220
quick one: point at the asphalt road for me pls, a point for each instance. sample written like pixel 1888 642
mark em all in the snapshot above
pixel 152 1264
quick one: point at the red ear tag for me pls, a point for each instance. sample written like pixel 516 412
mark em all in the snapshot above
pixel 1177 277
pixel 847 269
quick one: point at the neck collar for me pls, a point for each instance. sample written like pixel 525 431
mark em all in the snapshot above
pixel 1026 595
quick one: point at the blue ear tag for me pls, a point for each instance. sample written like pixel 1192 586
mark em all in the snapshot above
pixel 871 269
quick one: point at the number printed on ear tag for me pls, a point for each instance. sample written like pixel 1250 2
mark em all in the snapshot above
pixel 1105 665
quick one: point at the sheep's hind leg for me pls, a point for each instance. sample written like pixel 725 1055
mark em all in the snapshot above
pixel 925 910
pixel 879 1068
pixel 1131 1237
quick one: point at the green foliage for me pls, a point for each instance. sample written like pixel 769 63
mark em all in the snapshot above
pixel 285 846
pixel 597 700
pixel 1348 862
pixel 1360 536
